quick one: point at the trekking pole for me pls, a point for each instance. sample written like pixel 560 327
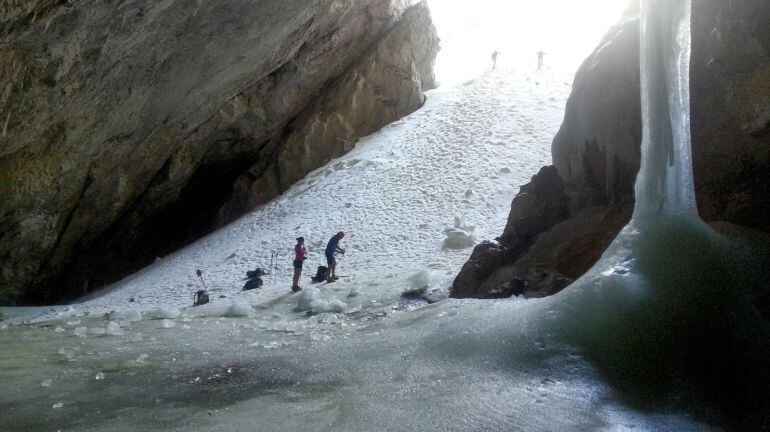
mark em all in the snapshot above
pixel 272 260
pixel 274 270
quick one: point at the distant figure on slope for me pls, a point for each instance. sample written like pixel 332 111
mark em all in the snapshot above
pixel 333 248
pixel 494 59
pixel 300 255
pixel 540 55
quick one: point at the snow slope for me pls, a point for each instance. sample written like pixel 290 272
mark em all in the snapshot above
pixel 465 153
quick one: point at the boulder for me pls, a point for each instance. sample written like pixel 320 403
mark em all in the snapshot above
pixel 539 205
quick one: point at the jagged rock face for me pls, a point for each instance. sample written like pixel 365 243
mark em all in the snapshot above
pixel 597 150
pixel 125 127
pixel 730 97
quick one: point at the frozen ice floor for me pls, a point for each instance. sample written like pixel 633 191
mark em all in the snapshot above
pixel 452 366
pixel 381 364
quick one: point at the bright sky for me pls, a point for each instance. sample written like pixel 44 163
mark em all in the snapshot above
pixel 566 30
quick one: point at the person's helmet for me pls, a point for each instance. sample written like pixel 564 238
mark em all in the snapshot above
pixel 340 234
pixel 300 239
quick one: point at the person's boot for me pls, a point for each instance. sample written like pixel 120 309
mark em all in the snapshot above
pixel 296 288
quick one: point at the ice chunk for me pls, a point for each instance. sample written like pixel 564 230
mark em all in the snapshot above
pixel 457 239
pixel 59 329
pixel 58 404
pixel 423 278
pixel 460 224
pixel 418 283
pixel 324 306
pixel 66 353
pixel 125 315
pixel 138 362
pixel 460 236
pixel 73 322
pixel 113 329
pixel 238 309
pixel 46 383
pixel 80 331
pixel 97 331
pixel 165 312
pixel 309 295
pixel 337 305
pixel 167 323
pixel 99 376
pixel 329 319
pixel 283 326
pixel 319 306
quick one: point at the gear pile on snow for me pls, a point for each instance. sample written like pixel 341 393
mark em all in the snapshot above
pixel 254 279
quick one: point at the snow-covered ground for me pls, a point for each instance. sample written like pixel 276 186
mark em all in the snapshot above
pixel 462 156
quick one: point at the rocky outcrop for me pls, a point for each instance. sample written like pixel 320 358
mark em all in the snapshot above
pixel 127 130
pixel 597 151
pixel 543 248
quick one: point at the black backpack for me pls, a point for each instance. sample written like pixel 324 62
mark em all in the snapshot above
pixel 255 279
pixel 201 298
pixel 320 274
pixel 251 274
pixel 252 284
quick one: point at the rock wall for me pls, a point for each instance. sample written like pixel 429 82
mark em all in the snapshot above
pixel 597 151
pixel 387 82
pixel 127 130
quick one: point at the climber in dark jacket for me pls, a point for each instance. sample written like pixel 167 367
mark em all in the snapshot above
pixel 332 248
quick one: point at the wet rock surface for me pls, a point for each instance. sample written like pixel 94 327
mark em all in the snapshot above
pixel 540 205
pixel 597 152
pixel 127 131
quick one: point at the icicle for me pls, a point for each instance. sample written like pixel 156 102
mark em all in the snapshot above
pixel 665 181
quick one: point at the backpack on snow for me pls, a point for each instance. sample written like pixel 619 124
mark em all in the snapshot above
pixel 201 298
pixel 252 284
pixel 320 274
pixel 255 279
pixel 251 274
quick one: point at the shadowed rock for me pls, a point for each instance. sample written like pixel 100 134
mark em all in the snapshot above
pixel 128 130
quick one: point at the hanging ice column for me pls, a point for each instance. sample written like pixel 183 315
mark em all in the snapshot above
pixel 665 183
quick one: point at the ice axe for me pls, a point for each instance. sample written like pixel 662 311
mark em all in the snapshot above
pixel 341 255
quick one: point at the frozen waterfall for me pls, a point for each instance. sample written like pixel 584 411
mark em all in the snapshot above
pixel 665 181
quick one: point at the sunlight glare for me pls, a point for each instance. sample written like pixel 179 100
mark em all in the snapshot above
pixel 566 30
